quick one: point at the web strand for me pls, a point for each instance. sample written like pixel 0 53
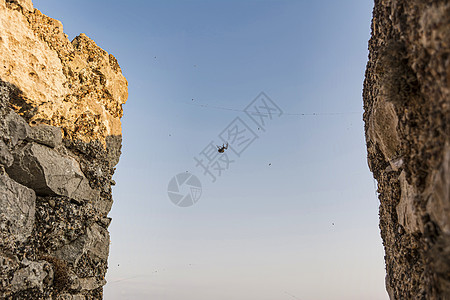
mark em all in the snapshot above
pixel 287 114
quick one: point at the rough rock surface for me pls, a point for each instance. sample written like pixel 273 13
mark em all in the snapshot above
pixel 73 85
pixel 17 217
pixel 407 111
pixel 48 172
pixel 60 138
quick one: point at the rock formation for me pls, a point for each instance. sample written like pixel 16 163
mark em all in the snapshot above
pixel 407 110
pixel 60 138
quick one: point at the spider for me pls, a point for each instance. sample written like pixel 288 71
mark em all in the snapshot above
pixel 222 148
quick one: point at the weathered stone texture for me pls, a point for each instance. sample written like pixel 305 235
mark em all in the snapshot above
pixel 407 111
pixel 49 173
pixel 76 85
pixel 32 275
pixel 17 207
pixel 60 138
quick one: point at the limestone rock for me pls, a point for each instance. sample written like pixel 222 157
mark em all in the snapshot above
pixel 26 4
pixel 6 158
pixel 47 135
pixel 89 283
pixel 23 4
pixel 95 242
pixel 75 85
pixel 33 275
pixel 27 61
pixel 17 208
pixel 49 173
pixel 18 129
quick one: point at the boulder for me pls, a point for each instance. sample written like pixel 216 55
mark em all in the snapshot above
pixel 95 243
pixel 46 135
pixel 49 173
pixel 35 274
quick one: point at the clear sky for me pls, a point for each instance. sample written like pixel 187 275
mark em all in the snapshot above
pixel 295 216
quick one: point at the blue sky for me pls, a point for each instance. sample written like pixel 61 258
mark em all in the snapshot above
pixel 296 215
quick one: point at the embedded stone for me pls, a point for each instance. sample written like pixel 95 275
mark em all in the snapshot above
pixel 18 127
pixel 6 158
pixel 45 134
pixel 49 173
pixel 17 208
pixel 95 242
pixel 407 215
pixel 35 275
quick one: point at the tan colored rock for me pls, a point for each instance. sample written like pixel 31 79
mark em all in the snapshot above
pixel 95 242
pixel 73 85
pixel 26 4
pixel 27 61
pixel 49 173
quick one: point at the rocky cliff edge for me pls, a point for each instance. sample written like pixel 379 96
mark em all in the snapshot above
pixel 407 125
pixel 60 138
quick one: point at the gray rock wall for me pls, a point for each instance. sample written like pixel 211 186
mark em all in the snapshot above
pixel 60 139
pixel 407 113
pixel 53 224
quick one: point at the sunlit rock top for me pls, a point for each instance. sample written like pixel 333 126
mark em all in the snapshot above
pixel 76 85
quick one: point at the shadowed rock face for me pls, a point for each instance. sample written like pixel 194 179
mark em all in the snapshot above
pixel 407 111
pixel 60 138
